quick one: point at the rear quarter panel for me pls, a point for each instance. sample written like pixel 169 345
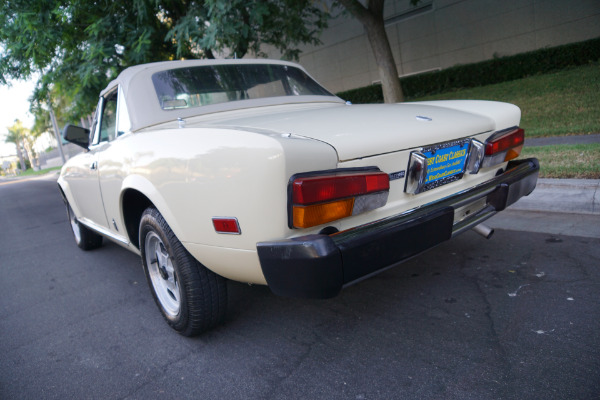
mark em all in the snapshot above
pixel 192 175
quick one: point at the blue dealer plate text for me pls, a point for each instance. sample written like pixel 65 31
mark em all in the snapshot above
pixel 442 164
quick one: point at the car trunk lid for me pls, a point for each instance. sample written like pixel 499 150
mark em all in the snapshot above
pixel 359 131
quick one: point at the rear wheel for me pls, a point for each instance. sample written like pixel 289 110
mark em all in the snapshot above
pixel 85 238
pixel 191 298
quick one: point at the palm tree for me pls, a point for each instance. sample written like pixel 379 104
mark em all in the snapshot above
pixel 14 137
pixel 21 136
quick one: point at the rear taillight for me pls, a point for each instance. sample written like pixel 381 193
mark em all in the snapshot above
pixel 319 199
pixel 503 146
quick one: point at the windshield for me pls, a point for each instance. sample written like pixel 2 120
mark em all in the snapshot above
pixel 199 86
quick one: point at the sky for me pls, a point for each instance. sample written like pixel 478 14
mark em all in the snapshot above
pixel 14 105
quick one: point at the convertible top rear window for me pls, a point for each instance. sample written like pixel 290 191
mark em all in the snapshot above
pixel 203 85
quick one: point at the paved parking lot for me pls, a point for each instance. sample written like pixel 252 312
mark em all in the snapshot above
pixel 514 317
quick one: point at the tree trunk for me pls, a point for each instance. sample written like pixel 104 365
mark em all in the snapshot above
pixel 371 18
pixel 30 153
pixel 20 155
pixel 209 54
pixel 386 66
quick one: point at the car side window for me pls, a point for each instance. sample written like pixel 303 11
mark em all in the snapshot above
pixel 94 128
pixel 108 121
pixel 123 122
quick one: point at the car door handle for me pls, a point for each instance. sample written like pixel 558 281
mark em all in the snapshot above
pixel 94 166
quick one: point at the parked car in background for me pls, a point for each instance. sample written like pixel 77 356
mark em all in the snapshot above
pixel 249 170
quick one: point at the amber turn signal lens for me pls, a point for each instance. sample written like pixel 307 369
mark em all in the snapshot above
pixel 317 214
pixel 513 153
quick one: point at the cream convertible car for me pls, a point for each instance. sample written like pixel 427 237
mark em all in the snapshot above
pixel 250 170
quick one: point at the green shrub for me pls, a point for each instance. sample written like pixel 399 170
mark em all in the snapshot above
pixel 363 95
pixel 486 72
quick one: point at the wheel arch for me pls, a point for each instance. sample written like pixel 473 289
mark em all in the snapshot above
pixel 133 204
pixel 62 193
pixel 137 194
pixel 66 195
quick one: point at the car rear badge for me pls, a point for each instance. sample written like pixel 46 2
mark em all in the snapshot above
pixel 422 118
pixel 397 175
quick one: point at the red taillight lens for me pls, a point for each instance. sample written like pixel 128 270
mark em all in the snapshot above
pixel 311 190
pixel 503 146
pixel 317 200
pixel 505 142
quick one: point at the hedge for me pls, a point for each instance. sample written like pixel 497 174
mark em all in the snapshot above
pixel 488 72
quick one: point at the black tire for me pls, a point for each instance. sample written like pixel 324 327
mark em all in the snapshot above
pixel 191 298
pixel 85 238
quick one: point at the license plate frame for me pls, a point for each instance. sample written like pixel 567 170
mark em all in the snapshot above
pixel 446 163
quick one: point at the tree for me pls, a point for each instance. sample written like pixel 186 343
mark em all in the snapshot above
pixel 371 17
pixel 27 139
pixel 16 135
pixel 12 137
pixel 80 45
pixel 238 27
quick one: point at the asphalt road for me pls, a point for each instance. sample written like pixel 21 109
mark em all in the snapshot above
pixel 514 317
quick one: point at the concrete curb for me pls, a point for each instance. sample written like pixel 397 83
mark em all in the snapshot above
pixel 575 196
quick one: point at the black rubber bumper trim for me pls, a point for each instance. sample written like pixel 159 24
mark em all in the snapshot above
pixel 318 266
pixel 308 267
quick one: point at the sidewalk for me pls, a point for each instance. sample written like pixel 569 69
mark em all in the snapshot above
pixel 554 140
pixel 576 196
pixel 52 175
pixel 558 207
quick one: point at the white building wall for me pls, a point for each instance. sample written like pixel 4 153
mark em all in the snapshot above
pixel 446 33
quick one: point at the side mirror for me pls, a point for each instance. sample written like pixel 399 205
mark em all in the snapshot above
pixel 76 135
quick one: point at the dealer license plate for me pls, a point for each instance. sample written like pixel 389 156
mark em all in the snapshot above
pixel 445 163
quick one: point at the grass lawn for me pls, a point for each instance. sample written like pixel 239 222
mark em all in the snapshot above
pixel 558 104
pixel 31 172
pixel 566 160
pixel 562 103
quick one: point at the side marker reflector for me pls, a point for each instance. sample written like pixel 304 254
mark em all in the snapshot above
pixel 227 225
